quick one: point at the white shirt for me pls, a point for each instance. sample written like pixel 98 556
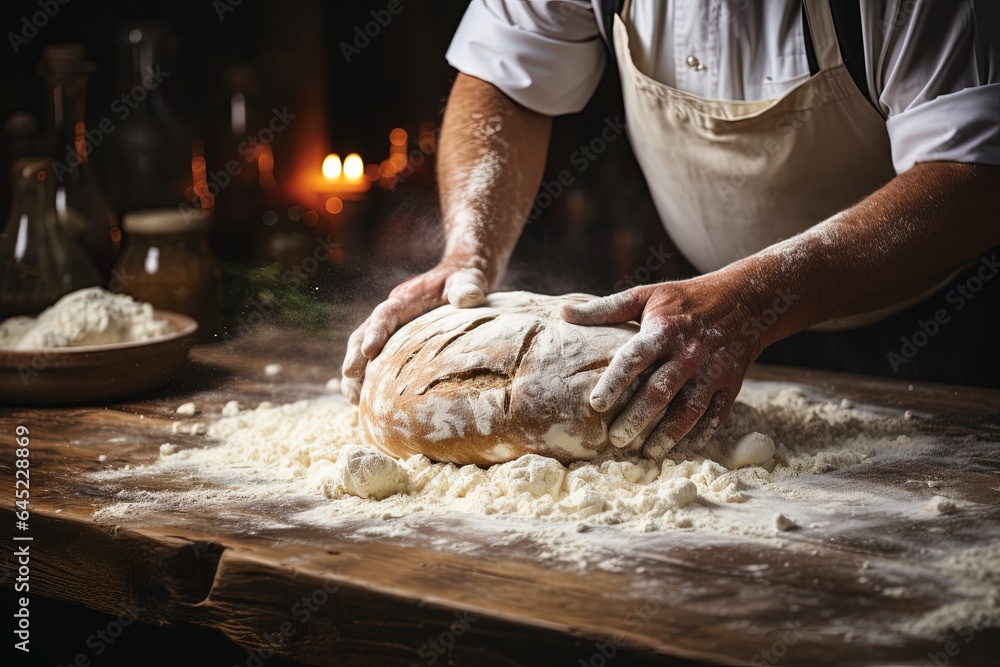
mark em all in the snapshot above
pixel 933 66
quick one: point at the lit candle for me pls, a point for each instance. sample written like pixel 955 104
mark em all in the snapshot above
pixel 342 179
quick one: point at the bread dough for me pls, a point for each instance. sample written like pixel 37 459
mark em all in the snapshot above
pixel 487 385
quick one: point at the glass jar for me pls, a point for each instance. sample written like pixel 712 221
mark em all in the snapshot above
pixel 167 262
pixel 39 260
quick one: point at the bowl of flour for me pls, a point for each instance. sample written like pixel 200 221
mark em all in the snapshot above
pixel 91 345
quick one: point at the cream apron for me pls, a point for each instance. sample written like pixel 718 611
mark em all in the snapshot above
pixel 730 178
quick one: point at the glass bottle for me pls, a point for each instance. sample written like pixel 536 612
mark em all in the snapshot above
pixel 39 260
pixel 149 158
pixel 80 205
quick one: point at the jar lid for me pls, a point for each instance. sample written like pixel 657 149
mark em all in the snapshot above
pixel 164 221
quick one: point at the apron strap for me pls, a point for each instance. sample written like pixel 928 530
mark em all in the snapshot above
pixel 824 34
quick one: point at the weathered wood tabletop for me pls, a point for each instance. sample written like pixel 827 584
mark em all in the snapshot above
pixel 327 597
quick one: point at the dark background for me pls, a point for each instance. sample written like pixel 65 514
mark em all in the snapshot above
pixel 592 238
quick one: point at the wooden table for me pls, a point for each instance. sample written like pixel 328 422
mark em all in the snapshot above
pixel 374 601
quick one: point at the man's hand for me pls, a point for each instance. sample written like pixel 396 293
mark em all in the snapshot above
pixel 456 282
pixel 489 166
pixel 693 337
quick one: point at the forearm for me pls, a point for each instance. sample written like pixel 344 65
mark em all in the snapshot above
pixel 490 165
pixel 897 243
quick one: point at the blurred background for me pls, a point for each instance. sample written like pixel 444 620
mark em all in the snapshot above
pixel 279 158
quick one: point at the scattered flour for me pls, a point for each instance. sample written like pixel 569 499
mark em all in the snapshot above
pixel 942 505
pixel 187 409
pixel 309 462
pixel 783 523
pixel 272 370
pixel 91 316
pixel 300 448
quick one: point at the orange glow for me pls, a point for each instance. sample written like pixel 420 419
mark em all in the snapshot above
pixel 334 205
pixel 387 168
pixel 80 140
pixel 399 161
pixel 372 172
pixel 427 142
pixel 199 180
pixel 398 137
pixel 354 167
pixel 265 166
pixel 40 176
pixel 116 235
pixel 332 167
pixel 311 217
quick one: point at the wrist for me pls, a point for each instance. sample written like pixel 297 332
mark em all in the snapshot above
pixel 766 305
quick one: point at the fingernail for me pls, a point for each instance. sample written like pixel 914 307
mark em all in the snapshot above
pixel 466 296
pixel 370 344
pixel 620 437
pixel 599 402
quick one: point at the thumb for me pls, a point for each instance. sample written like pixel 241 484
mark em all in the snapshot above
pixel 615 309
pixel 466 288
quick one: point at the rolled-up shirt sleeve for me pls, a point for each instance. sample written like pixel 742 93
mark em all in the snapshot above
pixel 935 68
pixel 546 56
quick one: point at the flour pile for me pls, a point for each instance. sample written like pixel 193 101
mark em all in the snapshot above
pixel 316 447
pixel 786 471
pixel 91 316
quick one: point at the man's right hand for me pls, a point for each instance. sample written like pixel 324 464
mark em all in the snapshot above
pixel 456 282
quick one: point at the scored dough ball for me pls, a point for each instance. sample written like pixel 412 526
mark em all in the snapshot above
pixel 487 385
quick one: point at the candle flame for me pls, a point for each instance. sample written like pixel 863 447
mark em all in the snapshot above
pixel 354 166
pixel 332 166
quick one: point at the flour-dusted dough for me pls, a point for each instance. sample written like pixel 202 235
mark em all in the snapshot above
pixel 487 385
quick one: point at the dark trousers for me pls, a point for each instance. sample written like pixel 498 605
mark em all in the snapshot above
pixel 952 336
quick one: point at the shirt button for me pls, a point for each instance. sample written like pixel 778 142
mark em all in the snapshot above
pixel 693 62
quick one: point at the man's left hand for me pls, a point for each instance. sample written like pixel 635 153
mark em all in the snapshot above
pixel 694 337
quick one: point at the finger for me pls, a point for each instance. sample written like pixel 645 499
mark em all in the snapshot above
pixel 683 413
pixel 354 361
pixel 713 418
pixel 649 402
pixel 614 309
pixel 629 361
pixel 386 318
pixel 351 387
pixel 466 288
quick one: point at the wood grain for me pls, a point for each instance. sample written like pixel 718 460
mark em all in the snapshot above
pixel 376 601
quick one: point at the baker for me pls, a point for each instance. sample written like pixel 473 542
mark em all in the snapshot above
pixel 821 164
